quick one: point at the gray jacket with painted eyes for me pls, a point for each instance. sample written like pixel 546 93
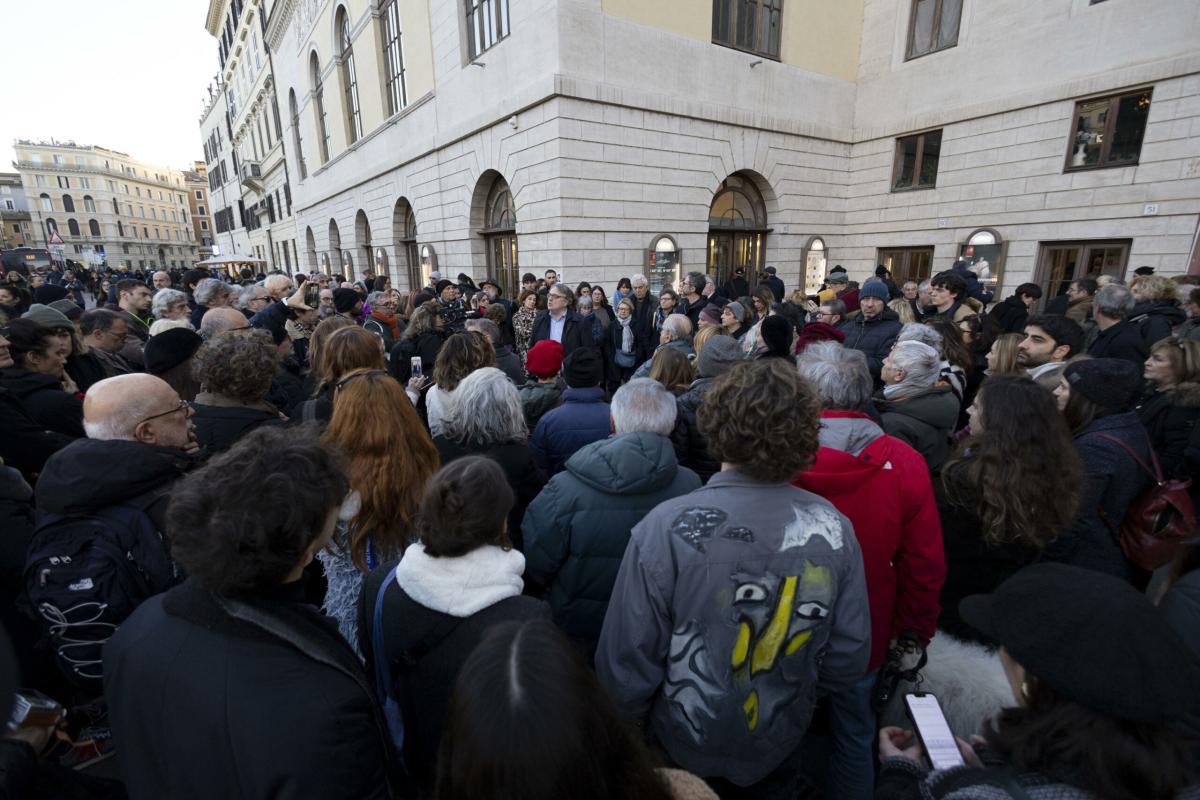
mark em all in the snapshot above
pixel 733 605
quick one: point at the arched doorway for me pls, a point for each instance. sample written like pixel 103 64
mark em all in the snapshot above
pixel 500 233
pixel 362 236
pixel 335 248
pixel 404 232
pixel 310 247
pixel 737 230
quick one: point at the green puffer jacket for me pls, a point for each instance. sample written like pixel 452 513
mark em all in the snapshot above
pixel 537 399
pixel 924 420
pixel 577 528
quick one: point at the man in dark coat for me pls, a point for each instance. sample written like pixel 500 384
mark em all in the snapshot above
pixel 974 287
pixel 693 300
pixel 24 444
pixel 1010 315
pixel 777 287
pixel 737 286
pixel 576 530
pixel 582 418
pixel 874 330
pixel 644 305
pixel 691 448
pixel 1118 338
pixel 559 323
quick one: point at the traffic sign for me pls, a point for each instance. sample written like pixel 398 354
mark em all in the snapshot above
pixel 54 238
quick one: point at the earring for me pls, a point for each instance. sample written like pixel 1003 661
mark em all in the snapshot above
pixel 1026 693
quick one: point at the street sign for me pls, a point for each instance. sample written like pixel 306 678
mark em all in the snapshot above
pixel 54 238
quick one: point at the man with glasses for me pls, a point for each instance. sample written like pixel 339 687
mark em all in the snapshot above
pixel 105 332
pixel 560 324
pixel 691 288
pixel 253 299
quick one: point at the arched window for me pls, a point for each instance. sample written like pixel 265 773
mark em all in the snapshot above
pixel 72 227
pixel 89 205
pixel 46 203
pixel 299 146
pixel 815 261
pixel 664 264
pixel 318 96
pixel 500 230
pixel 93 227
pixel 404 231
pixel 68 203
pixel 120 229
pixel 51 225
pixel 349 77
pixel 737 230
pixel 393 58
pixel 984 254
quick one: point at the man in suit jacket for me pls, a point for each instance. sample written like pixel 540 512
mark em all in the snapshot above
pixel 559 323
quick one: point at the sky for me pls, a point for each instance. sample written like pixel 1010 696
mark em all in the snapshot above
pixel 129 76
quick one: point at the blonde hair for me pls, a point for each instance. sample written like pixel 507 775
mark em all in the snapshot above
pixel 1153 287
pixel 161 325
pixel 904 309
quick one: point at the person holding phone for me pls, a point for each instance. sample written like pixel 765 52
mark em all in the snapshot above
pixel 1099 680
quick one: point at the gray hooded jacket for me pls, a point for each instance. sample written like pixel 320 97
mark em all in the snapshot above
pixel 733 605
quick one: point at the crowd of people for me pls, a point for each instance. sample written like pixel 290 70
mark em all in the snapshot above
pixel 306 537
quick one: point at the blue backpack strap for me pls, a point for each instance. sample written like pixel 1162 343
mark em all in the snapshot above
pixel 383 681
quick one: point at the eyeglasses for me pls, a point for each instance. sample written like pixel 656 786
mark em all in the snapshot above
pixel 183 406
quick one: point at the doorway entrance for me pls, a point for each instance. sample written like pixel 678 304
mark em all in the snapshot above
pixel 1062 262
pixel 737 231
pixel 907 263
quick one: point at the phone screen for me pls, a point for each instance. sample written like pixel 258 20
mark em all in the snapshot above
pixel 933 731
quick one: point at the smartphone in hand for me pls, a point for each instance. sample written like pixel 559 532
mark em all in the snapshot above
pixel 933 730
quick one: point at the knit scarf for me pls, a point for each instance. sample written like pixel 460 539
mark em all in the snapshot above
pixel 389 320
pixel 461 585
pixel 626 334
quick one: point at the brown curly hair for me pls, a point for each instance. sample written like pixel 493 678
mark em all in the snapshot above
pixel 239 366
pixel 462 354
pixel 763 417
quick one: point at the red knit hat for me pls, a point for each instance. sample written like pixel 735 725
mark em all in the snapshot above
pixel 544 359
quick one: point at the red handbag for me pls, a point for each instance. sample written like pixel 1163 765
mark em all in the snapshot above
pixel 1159 520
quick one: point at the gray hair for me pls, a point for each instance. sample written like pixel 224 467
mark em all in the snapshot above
pixel 920 332
pixel 276 281
pixel 678 325
pixel 639 280
pixel 1114 301
pixel 487 328
pixel 584 301
pixel 925 285
pixel 912 282
pixel 211 289
pixel 164 299
pixel 374 297
pixel 485 408
pixel 840 374
pixel 836 307
pixel 643 406
pixel 920 362
pixel 249 293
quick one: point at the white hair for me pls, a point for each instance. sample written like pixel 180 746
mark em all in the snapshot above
pixel 643 406
pixel 249 293
pixel 273 283
pixel 840 374
pixel 161 325
pixel 1114 301
pixel 164 299
pixel 134 407
pixel 678 325
pixel 920 362
pixel 210 289
pixel 920 332
pixel 485 408
pixel 639 280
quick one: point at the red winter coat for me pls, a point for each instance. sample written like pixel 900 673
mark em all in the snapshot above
pixel 883 486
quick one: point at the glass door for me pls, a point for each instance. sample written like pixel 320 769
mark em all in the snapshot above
pixel 1063 262
pixel 907 263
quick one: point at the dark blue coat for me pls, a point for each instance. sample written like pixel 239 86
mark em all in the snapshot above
pixel 582 418
pixel 1112 480
pixel 874 337
pixel 577 528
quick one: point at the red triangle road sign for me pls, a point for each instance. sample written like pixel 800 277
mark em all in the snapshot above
pixel 54 238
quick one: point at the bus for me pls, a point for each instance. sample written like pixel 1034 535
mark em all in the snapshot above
pixel 26 259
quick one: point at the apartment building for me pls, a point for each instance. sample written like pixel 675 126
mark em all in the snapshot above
pixel 16 230
pixel 196 179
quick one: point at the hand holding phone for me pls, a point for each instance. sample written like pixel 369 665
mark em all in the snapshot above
pixel 934 732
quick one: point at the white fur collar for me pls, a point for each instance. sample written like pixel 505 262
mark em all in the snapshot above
pixel 463 585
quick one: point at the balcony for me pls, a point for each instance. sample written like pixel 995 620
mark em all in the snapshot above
pixel 251 174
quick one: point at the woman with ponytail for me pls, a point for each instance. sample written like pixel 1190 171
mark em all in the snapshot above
pixel 422 617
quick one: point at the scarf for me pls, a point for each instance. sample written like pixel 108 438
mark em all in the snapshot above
pixel 626 334
pixel 462 585
pixel 389 320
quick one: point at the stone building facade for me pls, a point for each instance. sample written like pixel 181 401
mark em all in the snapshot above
pixel 607 137
pixel 16 229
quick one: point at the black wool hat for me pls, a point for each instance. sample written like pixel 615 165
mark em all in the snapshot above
pixel 776 333
pixel 1108 382
pixel 583 369
pixel 1092 638
pixel 345 299
pixel 441 285
pixel 169 349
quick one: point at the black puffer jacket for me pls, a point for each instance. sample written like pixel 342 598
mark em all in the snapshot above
pixel 872 336
pixel 691 448
pixel 1172 419
pixel 1009 316
pixel 525 478
pixel 24 443
pixel 1154 319
pixel 45 400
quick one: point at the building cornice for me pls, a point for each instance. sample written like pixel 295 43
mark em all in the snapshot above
pixel 212 22
pixel 277 22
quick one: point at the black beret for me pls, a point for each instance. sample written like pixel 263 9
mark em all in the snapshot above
pixel 583 368
pixel 1110 383
pixel 1093 639
pixel 169 349
pixel 345 299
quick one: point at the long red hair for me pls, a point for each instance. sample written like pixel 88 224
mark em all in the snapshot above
pixel 391 459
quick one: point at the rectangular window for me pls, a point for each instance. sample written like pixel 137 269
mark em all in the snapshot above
pixel 40 180
pixel 9 205
pixel 203 225
pixel 1108 131
pixel 933 26
pixel 750 25
pixel 907 263
pixel 393 59
pixel 59 160
pixel 916 162
pixel 487 24
pixel 199 194
pixel 84 183
pixel 64 182
pixel 1060 263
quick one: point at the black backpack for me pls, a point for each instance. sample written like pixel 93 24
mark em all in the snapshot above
pixel 85 574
